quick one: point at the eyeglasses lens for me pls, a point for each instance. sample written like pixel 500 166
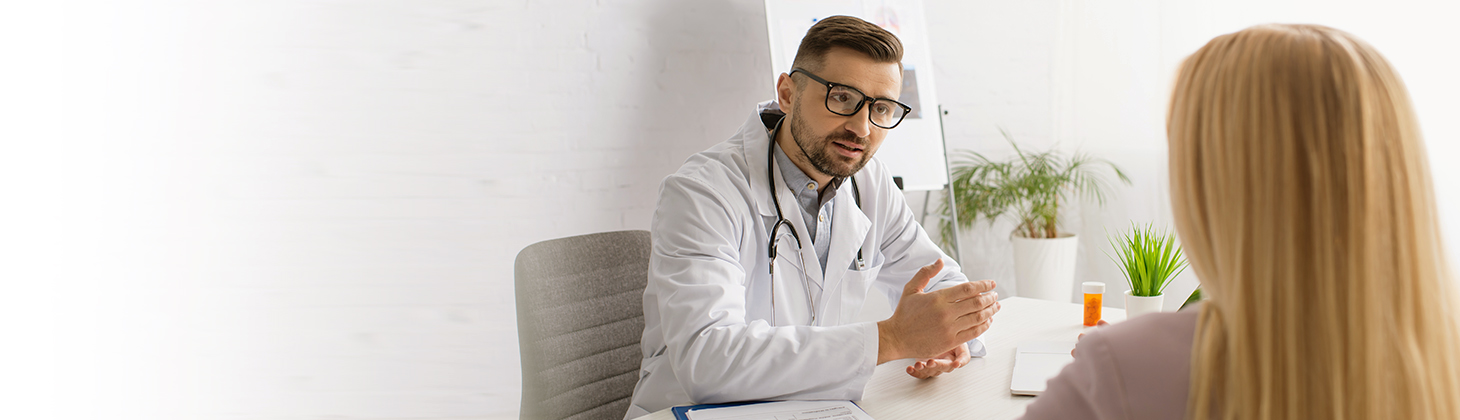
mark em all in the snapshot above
pixel 844 101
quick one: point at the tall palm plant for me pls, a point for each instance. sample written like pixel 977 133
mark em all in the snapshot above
pixel 1029 187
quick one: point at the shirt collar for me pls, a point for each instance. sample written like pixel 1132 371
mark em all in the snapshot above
pixel 798 179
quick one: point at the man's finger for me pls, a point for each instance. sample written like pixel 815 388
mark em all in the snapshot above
pixel 961 356
pixel 980 316
pixel 974 331
pixel 930 368
pixel 967 290
pixel 940 365
pixel 917 370
pixel 920 280
pixel 919 373
pixel 976 303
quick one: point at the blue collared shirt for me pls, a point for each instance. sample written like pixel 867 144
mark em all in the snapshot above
pixel 816 208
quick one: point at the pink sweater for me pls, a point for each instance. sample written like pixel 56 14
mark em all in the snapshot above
pixel 1137 369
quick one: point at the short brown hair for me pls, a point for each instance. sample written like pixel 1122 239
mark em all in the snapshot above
pixel 848 32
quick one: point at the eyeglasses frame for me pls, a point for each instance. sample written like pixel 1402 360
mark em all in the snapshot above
pixel 866 99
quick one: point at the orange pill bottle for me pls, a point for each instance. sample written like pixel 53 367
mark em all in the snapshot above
pixel 1094 294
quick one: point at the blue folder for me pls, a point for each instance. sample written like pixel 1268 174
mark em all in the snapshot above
pixel 680 412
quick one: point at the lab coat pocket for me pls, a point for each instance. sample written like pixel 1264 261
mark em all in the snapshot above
pixel 857 284
pixel 871 264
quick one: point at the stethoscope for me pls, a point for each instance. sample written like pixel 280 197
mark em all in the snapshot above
pixel 781 221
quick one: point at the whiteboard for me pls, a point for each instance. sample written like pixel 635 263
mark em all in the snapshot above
pixel 914 150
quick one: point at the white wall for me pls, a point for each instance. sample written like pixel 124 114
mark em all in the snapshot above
pixel 309 209
pixel 1095 77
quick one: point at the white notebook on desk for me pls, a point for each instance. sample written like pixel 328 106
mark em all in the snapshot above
pixel 1035 362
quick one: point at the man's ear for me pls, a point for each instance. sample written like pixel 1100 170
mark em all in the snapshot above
pixel 785 90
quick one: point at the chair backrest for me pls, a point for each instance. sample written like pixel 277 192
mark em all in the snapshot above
pixel 580 315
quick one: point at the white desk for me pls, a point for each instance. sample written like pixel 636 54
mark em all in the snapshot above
pixel 981 389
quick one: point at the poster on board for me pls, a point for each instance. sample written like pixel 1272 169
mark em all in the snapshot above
pixel 914 150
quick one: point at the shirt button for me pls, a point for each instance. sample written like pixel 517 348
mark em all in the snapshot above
pixel 810 185
pixel 821 218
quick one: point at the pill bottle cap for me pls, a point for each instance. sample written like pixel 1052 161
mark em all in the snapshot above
pixel 1093 287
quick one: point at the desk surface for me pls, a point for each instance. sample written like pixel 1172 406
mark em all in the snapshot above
pixel 980 389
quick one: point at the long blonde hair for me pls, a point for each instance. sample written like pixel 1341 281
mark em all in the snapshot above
pixel 1302 196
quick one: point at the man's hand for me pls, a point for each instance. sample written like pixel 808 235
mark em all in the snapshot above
pixel 930 368
pixel 927 325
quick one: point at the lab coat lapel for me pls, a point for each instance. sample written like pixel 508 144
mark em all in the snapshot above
pixel 756 144
pixel 756 147
pixel 793 215
pixel 849 228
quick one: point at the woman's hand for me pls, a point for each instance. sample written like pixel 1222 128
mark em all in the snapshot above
pixel 1102 323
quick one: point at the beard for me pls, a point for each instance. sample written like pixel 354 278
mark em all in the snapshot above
pixel 817 149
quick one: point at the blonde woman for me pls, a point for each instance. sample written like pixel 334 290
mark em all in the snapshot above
pixel 1301 194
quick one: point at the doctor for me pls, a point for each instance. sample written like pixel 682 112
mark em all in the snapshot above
pixel 765 247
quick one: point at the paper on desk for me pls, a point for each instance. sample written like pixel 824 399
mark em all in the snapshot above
pixel 1036 362
pixel 785 410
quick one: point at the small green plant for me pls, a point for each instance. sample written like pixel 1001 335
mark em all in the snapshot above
pixel 1149 258
pixel 1030 187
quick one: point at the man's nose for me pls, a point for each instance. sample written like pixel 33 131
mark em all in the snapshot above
pixel 860 123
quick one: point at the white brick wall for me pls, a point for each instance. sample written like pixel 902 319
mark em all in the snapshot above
pixel 399 154
pixel 291 209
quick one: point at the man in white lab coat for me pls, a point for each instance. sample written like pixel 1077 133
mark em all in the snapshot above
pixel 765 247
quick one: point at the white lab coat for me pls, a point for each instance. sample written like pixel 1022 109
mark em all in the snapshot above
pixel 708 332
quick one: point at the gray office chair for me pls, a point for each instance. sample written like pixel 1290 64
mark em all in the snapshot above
pixel 580 315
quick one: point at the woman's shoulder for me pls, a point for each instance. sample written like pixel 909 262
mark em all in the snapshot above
pixel 1166 329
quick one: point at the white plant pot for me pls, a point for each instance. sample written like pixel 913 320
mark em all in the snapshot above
pixel 1045 268
pixel 1140 305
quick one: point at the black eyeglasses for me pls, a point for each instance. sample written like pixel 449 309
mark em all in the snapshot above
pixel 847 101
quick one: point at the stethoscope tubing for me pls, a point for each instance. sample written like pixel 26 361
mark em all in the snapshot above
pixel 781 220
